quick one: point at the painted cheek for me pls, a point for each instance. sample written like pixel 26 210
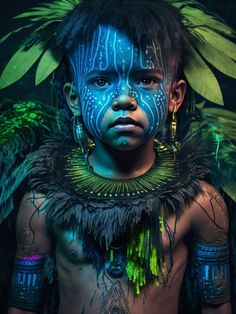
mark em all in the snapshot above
pixel 155 107
pixel 94 107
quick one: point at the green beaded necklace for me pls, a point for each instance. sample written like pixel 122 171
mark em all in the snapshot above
pixel 86 182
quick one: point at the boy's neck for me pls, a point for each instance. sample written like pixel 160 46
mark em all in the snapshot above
pixel 111 163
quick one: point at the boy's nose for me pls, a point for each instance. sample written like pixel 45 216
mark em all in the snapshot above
pixel 124 102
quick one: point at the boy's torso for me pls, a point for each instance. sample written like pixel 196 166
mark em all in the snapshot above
pixel 85 290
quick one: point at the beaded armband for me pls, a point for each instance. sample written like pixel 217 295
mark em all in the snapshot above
pixel 211 266
pixel 26 282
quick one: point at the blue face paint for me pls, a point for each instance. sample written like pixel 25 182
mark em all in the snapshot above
pixel 111 66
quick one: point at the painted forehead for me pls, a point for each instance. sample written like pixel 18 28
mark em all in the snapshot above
pixel 110 50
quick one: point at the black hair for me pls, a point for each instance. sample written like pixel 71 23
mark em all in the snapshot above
pixel 143 21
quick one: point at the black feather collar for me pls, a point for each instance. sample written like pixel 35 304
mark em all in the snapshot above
pixel 107 217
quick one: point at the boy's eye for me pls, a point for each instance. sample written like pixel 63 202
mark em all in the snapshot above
pixel 101 82
pixel 147 82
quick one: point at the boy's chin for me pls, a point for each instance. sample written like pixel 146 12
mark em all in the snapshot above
pixel 125 145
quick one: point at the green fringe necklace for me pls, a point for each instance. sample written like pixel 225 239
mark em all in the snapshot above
pixel 89 183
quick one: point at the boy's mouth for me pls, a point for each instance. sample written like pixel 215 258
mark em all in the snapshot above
pixel 125 124
pixel 125 121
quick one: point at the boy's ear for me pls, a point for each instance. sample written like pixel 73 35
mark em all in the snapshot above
pixel 72 98
pixel 176 95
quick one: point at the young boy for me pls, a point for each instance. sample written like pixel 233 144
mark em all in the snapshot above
pixel 116 215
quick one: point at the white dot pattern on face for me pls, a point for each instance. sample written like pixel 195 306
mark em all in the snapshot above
pixel 111 50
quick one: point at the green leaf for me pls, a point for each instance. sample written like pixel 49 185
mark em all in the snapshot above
pixel 48 11
pixel 218 42
pixel 228 115
pixel 14 32
pixel 44 25
pixel 48 63
pixel 179 4
pixel 230 190
pixel 218 59
pixel 39 15
pixel 199 18
pixel 201 78
pixel 20 63
pixel 226 119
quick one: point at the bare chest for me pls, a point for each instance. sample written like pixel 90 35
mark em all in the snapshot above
pixel 84 290
pixel 81 249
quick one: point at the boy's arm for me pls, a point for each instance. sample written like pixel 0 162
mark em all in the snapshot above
pixel 209 218
pixel 33 245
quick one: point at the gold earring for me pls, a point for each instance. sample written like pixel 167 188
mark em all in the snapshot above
pixel 80 134
pixel 173 131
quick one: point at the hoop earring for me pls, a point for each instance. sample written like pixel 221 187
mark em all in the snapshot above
pixel 173 132
pixel 80 135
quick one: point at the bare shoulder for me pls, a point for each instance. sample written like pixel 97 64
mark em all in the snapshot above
pixel 31 225
pixel 209 216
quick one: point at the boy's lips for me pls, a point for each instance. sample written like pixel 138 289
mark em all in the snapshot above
pixel 124 122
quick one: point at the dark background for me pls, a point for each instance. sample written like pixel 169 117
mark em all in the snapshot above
pixel 25 89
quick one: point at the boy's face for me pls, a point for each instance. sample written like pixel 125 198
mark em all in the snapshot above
pixel 122 89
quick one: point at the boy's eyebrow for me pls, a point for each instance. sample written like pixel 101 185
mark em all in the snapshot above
pixel 135 71
pixel 100 72
pixel 143 72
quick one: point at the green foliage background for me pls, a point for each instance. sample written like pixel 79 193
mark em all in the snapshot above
pixel 226 10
